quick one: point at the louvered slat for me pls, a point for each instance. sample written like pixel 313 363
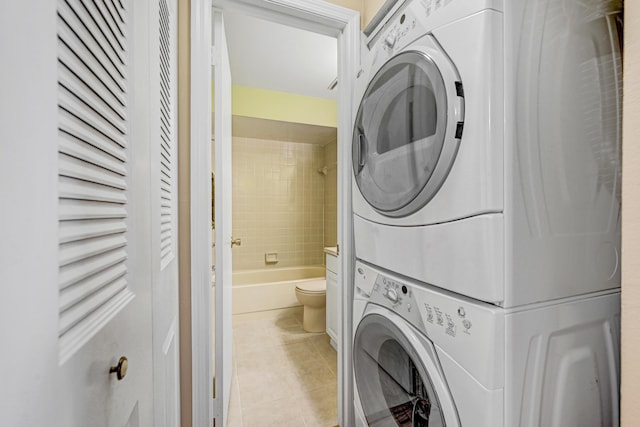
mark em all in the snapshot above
pixel 110 21
pixel 92 168
pixel 101 112
pixel 79 311
pixel 73 32
pixel 84 169
pixel 77 230
pixel 73 294
pixel 98 66
pixel 81 190
pixel 84 249
pixel 71 104
pixel 116 8
pixel 87 31
pixel 70 209
pixel 74 274
pixel 166 138
pixel 71 145
pixel 83 131
pixel 109 41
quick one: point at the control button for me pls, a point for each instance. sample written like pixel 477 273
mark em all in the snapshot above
pixel 409 307
pixel 360 271
pixel 461 312
pixel 466 324
pixel 390 40
pixel 429 313
pixel 392 295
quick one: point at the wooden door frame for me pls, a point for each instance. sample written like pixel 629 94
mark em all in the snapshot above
pixel 313 15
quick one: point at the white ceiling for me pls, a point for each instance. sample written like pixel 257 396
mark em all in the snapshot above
pixel 272 56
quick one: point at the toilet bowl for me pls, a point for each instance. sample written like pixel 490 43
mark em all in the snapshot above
pixel 312 295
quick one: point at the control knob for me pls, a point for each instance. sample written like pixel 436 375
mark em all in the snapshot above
pixel 391 38
pixel 392 295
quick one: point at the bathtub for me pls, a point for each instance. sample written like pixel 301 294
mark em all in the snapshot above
pixel 259 290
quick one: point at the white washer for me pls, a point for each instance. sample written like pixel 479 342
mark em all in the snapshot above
pixel 486 147
pixel 424 357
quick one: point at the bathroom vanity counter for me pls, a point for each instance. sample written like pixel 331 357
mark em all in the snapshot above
pixel 332 294
pixel 331 250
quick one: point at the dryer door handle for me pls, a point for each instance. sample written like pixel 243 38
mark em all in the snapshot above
pixel 362 147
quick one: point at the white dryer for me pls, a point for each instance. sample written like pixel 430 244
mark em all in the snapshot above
pixel 486 147
pixel 425 357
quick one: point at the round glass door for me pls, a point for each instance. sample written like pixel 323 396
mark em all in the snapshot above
pixel 399 134
pixel 394 386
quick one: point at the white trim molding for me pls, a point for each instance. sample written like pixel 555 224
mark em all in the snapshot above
pixel 201 369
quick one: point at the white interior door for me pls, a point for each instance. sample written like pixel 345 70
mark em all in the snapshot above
pixel 104 255
pixel 77 243
pixel 223 200
pixel 164 161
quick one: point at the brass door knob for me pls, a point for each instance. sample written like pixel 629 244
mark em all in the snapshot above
pixel 121 368
pixel 236 242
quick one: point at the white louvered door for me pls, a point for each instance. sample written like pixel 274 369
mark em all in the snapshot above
pixel 105 208
pixel 163 131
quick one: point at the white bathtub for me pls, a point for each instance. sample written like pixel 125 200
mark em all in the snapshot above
pixel 259 290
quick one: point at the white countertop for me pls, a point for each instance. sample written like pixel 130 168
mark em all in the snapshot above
pixel 332 250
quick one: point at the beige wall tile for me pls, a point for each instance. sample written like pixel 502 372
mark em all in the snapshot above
pixel 330 220
pixel 278 202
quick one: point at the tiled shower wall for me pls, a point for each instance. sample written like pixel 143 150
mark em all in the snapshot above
pixel 278 203
pixel 331 194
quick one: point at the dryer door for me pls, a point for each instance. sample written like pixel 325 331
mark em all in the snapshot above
pixel 399 382
pixel 407 130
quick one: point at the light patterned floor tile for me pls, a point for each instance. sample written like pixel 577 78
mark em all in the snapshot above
pixel 285 376
pixel 286 412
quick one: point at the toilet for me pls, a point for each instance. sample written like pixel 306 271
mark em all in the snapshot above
pixel 312 294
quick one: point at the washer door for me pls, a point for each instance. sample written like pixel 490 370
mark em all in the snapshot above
pixel 399 384
pixel 407 130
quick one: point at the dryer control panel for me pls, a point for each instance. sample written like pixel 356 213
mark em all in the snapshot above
pixel 401 30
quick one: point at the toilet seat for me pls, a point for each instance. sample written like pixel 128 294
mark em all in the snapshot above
pixel 312 287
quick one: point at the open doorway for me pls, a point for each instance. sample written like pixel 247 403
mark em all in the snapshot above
pixel 284 215
pixel 321 17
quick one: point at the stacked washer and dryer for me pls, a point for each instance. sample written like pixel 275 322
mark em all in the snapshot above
pixel 487 165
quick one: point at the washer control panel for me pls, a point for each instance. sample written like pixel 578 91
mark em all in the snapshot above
pixel 470 331
pixel 396 296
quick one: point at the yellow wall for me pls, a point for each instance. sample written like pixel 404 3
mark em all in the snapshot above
pixel 285 107
pixel 631 219
pixel 184 207
pixel 369 10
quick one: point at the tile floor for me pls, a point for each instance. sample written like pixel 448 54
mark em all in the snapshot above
pixel 283 376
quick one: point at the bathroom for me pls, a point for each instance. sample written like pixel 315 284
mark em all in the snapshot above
pixel 284 225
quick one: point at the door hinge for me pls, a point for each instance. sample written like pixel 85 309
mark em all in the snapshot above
pixel 213 409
